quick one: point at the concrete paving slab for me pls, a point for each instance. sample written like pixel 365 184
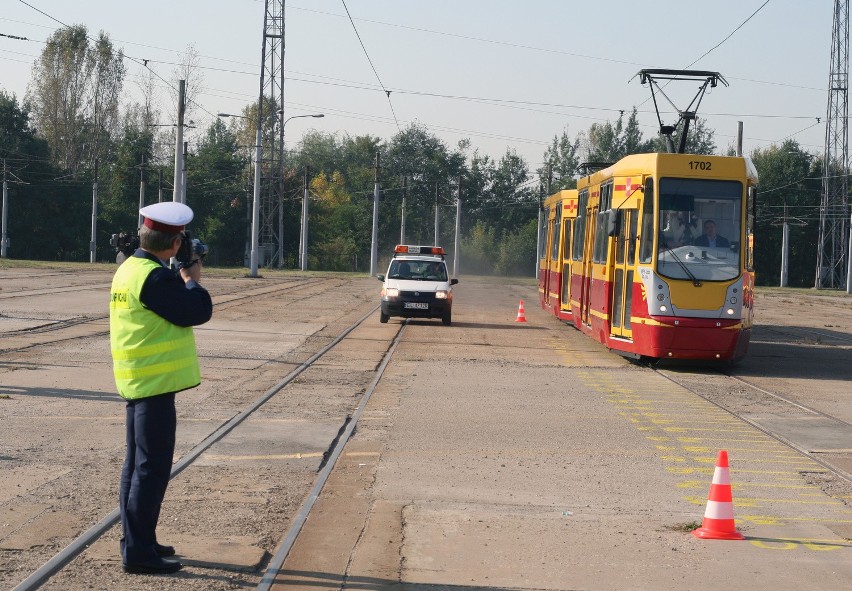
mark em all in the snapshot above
pixel 12 517
pixel 233 553
pixel 18 480
pixel 815 434
pixel 41 530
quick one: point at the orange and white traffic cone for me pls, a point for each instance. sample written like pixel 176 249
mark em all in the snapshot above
pixel 719 515
pixel 521 317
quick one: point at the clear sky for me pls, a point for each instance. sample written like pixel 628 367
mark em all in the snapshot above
pixel 536 67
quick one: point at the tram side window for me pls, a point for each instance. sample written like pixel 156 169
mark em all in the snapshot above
pixel 542 238
pixel 580 225
pixel 601 236
pixel 567 233
pixel 557 224
pixel 646 246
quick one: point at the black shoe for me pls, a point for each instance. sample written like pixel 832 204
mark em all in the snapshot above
pixel 154 566
pixel 164 550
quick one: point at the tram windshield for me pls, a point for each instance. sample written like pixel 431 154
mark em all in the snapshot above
pixel 699 229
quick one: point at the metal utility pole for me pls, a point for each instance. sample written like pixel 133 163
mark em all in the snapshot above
pixel 159 187
pixel 437 218
pixel 374 245
pixel 402 213
pixel 540 212
pixel 4 237
pixel 178 193
pixel 183 174
pixel 458 229
pixel 303 240
pixel 93 244
pixel 272 93
pixel 785 250
pixel 141 190
pixel 832 247
pixel 740 139
pixel 255 209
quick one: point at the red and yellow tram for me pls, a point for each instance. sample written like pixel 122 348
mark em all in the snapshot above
pixel 653 256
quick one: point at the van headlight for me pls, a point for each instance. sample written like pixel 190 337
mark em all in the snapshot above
pixel 441 295
pixel 391 292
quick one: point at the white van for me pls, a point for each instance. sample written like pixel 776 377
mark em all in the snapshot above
pixel 417 285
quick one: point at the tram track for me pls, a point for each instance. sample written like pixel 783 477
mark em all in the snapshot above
pixel 63 558
pixel 797 330
pixel 698 384
pixel 221 301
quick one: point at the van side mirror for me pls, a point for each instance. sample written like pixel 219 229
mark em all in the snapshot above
pixel 380 277
pixel 453 281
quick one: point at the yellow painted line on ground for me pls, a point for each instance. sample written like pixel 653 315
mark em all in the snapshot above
pixel 753 501
pixel 779 520
pixel 294 456
pixel 741 460
pixel 710 469
pixel 706 449
pixel 740 485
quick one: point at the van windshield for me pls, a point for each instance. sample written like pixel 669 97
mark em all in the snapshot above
pixel 418 270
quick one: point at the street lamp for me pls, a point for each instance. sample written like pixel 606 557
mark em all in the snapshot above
pixel 303 237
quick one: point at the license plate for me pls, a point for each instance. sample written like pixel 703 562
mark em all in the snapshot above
pixel 416 305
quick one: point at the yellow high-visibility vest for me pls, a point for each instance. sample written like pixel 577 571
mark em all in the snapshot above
pixel 150 355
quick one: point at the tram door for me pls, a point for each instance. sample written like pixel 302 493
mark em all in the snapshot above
pixel 588 252
pixel 553 258
pixel 565 260
pixel 624 265
pixel 547 262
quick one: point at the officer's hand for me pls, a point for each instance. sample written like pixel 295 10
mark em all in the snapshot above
pixel 193 272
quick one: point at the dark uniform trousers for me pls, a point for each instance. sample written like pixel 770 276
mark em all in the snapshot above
pixel 151 426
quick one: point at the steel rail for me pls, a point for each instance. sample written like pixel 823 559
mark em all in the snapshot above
pixel 839 472
pixel 66 555
pixel 301 517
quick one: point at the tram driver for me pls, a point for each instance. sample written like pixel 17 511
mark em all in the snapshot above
pixel 710 238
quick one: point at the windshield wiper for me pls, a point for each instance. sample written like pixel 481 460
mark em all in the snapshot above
pixel 694 279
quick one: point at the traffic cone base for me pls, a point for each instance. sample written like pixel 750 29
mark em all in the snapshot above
pixel 712 534
pixel 719 516
pixel 521 316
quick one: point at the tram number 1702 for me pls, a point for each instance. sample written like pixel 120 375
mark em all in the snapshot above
pixel 699 165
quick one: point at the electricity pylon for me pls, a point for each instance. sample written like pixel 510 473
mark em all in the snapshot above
pixel 833 213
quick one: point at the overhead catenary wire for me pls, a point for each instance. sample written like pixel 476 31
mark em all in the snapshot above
pixel 386 91
pixel 507 103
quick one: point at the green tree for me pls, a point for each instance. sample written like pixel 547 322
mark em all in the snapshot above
pixel 216 180
pixel 517 255
pixel 563 157
pixel 699 139
pixel 606 142
pixel 74 95
pixel 48 215
pixel 789 188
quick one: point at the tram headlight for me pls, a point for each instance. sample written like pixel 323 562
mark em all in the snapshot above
pixel 663 308
pixel 660 297
pixel 730 311
pixel 734 300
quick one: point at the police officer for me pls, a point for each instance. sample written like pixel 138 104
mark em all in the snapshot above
pixel 152 312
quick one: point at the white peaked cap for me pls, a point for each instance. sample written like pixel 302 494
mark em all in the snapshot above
pixel 168 216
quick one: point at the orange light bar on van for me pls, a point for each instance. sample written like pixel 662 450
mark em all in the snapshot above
pixel 412 249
